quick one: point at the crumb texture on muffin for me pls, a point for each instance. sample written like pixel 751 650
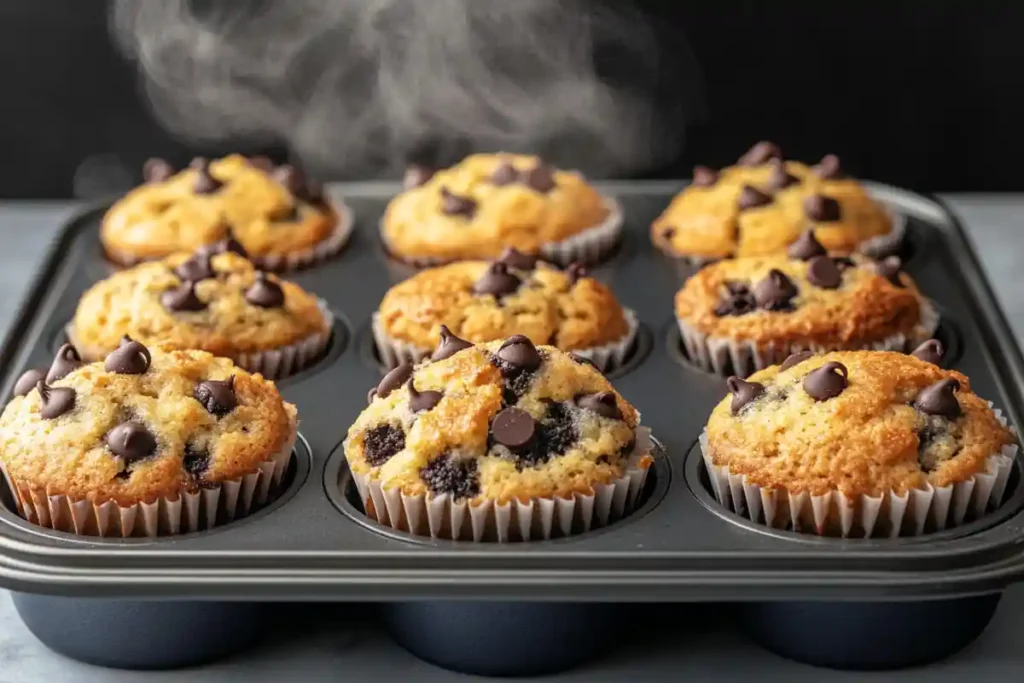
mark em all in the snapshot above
pixel 858 422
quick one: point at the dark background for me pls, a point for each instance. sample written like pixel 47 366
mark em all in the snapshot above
pixel 922 94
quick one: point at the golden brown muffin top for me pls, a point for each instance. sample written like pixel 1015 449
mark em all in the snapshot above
pixel 484 301
pixel 144 424
pixel 271 211
pixel 824 299
pixel 763 204
pixel 216 302
pixel 501 421
pixel 861 422
pixel 489 202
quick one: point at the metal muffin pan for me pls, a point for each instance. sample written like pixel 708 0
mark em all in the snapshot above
pixel 311 544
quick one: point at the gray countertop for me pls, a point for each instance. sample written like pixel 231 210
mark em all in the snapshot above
pixel 326 644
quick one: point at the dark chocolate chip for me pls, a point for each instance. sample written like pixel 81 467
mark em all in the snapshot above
pixel 822 209
pixel 575 272
pixel 828 168
pixel 519 352
pixel 420 401
pixel 454 205
pixel 806 247
pixel 129 358
pixel 775 292
pixel 394 379
pixel 540 178
pixel 795 359
pixel 826 382
pixel 229 243
pixel 930 352
pixel 381 443
pixel 263 163
pixel 197 267
pixel 195 462
pixel 455 477
pixel 513 428
pixel 743 393
pixel 264 292
pixel 704 176
pixel 736 303
pixel 56 400
pixel 736 287
pixel 513 258
pixel 504 174
pixel 822 272
pixel 131 441
pixel 940 399
pixel 780 178
pixel 890 268
pixel 205 182
pixel 449 345
pixel 28 381
pixel 295 181
pixel 156 170
pixel 497 281
pixel 417 176
pixel 217 396
pixel 64 363
pixel 182 298
pixel 603 403
pixel 752 198
pixel 760 153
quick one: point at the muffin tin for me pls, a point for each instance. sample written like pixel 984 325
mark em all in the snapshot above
pixel 488 608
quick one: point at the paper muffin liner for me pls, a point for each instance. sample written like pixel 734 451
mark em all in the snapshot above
pixel 588 247
pixel 888 515
pixel 744 357
pixel 608 357
pixel 331 245
pixel 187 512
pixel 515 520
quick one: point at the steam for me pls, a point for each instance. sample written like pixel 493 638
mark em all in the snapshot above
pixel 357 88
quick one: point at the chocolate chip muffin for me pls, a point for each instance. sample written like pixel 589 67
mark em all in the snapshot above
pixel 281 217
pixel 858 443
pixel 482 301
pixel 477 208
pixel 147 442
pixel 761 205
pixel 212 300
pixel 743 314
pixel 497 441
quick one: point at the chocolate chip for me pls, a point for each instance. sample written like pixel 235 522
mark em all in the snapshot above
pixel 775 292
pixel 129 358
pixel 513 258
pixel 449 345
pixel 417 175
pixel 394 379
pixel 603 403
pixel 736 303
pixel 420 401
pixel 156 170
pixel 668 233
pixel 448 475
pixel 575 272
pixel 56 400
pixel 704 176
pixel 540 178
pixel 195 462
pixel 890 269
pixel 64 363
pixel 513 428
pixel 806 247
pixel 583 360
pixel 264 292
pixel 217 396
pixel 752 198
pixel 263 163
pixel 940 399
pixel 826 382
pixel 736 287
pixel 198 163
pixel 822 272
pixel 131 441
pixel 454 205
pixel 28 381
pixel 497 281
pixel 822 209
pixel 795 359
pixel 930 352
pixel 780 178
pixel 519 352
pixel 760 153
pixel 297 183
pixel 504 174
pixel 196 268
pixel 743 393
pixel 828 168
pixel 381 443
pixel 182 298
pixel 205 182
pixel 229 243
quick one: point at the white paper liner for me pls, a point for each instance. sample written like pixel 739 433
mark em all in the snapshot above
pixel 588 247
pixel 394 352
pixel 834 514
pixel 743 358
pixel 275 363
pixel 331 245
pixel 185 513
pixel 489 521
